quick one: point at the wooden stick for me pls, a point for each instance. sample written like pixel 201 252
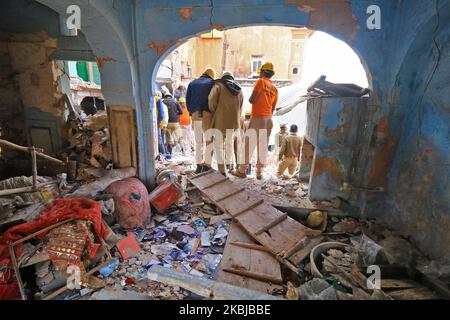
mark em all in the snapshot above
pixel 34 167
pixel 216 183
pixel 272 223
pixel 17 272
pixel 16 190
pixel 256 204
pixel 257 276
pixel 40 231
pixel 288 253
pixel 230 195
pixel 250 246
pixel 27 150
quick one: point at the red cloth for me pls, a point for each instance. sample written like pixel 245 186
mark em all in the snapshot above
pixel 59 210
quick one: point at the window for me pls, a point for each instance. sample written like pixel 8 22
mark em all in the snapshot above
pixel 295 70
pixel 257 62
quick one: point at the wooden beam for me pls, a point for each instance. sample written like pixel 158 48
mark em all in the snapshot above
pixel 204 287
pixel 254 205
pixel 272 224
pixel 256 276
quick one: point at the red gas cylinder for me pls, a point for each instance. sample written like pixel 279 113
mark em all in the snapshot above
pixel 165 195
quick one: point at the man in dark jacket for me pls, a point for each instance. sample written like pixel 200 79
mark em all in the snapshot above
pixel 173 133
pixel 197 104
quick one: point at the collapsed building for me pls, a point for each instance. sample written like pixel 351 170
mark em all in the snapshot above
pixel 376 167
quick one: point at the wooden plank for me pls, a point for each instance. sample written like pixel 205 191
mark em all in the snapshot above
pixel 272 224
pixel 254 275
pixel 252 259
pixel 230 194
pixel 122 126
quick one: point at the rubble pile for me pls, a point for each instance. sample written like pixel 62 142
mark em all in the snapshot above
pixel 90 141
pixel 126 231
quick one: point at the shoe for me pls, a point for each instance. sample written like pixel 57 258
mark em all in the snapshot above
pixel 206 168
pixel 199 169
pixel 238 174
pixel 223 173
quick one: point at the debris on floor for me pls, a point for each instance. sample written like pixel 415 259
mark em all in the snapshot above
pixel 194 236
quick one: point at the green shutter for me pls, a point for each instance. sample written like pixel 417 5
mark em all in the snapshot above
pixel 83 70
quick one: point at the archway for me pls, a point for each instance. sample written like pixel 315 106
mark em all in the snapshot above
pixel 343 56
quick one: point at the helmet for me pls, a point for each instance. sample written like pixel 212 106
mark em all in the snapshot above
pixel 267 66
pixel 210 72
pixel 182 100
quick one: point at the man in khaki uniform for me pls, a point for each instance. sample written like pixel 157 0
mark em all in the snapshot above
pixel 289 155
pixel 225 103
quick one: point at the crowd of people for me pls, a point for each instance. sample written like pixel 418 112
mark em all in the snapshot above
pixel 206 118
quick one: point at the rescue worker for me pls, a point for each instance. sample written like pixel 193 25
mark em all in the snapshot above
pixel 159 107
pixel 289 155
pixel 263 99
pixel 180 92
pixel 280 136
pixel 173 134
pixel 197 103
pixel 186 129
pixel 225 103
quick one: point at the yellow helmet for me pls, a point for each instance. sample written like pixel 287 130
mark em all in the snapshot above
pixel 210 72
pixel 182 100
pixel 267 66
pixel 248 112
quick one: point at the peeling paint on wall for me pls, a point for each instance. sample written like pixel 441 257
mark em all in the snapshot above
pixel 323 16
pixel 160 48
pixel 101 61
pixel 383 149
pixel 185 13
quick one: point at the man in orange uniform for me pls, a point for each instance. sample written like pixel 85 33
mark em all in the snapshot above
pixel 185 123
pixel 263 99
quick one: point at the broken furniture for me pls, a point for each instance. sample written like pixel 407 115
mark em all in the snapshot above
pixel 71 166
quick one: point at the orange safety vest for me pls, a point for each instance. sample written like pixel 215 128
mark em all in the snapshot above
pixel 185 118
